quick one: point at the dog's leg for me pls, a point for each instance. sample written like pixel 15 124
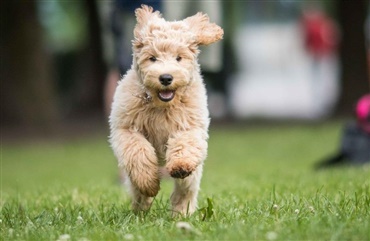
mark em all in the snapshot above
pixel 184 196
pixel 138 159
pixel 140 202
pixel 186 152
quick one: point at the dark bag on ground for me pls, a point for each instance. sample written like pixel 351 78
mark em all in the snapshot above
pixel 354 148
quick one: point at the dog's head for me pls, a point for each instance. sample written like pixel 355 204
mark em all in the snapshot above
pixel 165 53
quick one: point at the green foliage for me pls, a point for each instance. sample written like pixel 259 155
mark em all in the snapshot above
pixel 65 24
pixel 207 212
pixel 258 184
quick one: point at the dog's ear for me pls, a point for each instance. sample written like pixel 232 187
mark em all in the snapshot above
pixel 144 15
pixel 205 32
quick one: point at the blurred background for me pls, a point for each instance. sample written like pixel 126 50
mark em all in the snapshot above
pixel 279 60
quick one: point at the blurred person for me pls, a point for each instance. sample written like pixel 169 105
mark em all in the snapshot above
pixel 321 37
pixel 320 33
pixel 355 143
pixel 118 22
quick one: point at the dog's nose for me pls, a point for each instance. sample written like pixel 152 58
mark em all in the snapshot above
pixel 165 79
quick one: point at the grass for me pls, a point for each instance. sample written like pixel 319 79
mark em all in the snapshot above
pixel 258 184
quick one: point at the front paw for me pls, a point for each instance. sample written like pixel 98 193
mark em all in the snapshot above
pixel 150 189
pixel 180 169
pixel 147 185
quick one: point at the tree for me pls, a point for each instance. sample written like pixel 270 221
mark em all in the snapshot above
pixel 27 88
pixel 354 69
pixel 93 69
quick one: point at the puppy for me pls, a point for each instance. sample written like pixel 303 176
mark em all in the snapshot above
pixel 159 113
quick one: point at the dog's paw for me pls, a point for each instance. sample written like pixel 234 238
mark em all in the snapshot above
pixel 180 169
pixel 180 173
pixel 147 185
pixel 149 191
pixel 148 188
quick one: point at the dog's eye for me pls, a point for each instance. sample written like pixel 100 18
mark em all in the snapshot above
pixel 178 58
pixel 153 59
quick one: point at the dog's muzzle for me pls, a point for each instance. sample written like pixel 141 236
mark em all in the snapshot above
pixel 166 95
pixel 165 79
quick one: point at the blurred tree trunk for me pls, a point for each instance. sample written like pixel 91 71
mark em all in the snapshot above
pixel 93 70
pixel 27 89
pixel 354 71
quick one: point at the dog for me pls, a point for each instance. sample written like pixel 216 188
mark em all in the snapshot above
pixel 159 114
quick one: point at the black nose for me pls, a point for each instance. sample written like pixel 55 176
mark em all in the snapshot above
pixel 166 79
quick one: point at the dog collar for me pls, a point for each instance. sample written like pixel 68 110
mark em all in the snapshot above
pixel 145 97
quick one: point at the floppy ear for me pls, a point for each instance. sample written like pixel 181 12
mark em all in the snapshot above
pixel 205 32
pixel 143 15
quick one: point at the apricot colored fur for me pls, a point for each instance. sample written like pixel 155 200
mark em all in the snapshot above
pixel 147 132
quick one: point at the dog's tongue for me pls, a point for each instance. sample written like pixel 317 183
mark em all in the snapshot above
pixel 166 95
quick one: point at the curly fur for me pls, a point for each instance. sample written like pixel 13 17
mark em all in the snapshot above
pixel 147 132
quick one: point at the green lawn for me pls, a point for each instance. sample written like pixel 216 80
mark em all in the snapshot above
pixel 258 184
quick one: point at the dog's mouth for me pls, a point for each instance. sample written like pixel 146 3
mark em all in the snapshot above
pixel 166 95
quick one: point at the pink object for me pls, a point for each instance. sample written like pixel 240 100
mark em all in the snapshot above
pixel 363 113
